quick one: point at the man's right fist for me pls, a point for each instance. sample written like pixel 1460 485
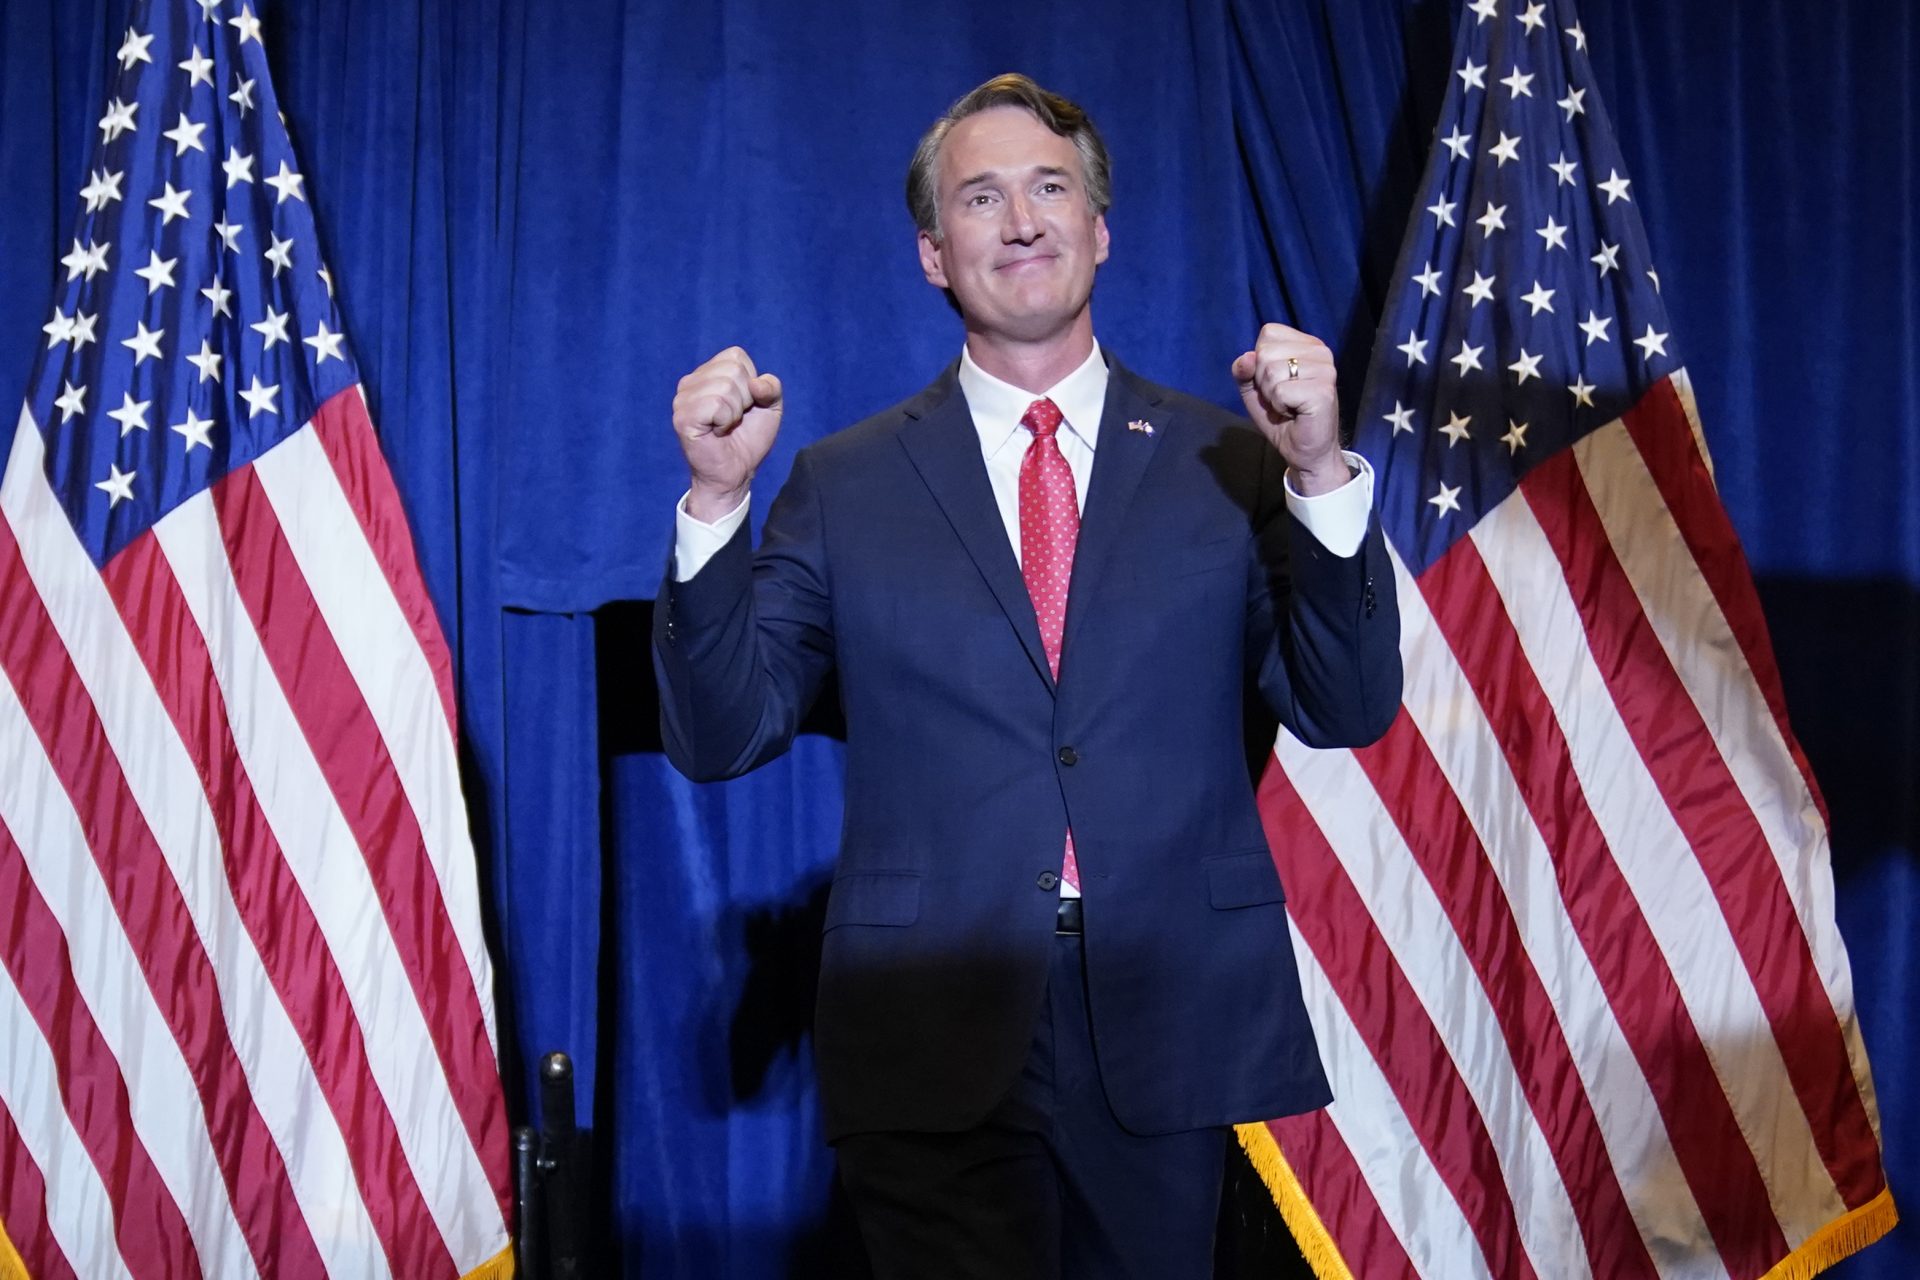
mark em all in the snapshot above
pixel 726 414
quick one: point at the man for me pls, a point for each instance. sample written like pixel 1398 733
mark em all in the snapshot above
pixel 1056 963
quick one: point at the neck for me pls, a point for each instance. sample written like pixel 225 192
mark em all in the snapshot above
pixel 1033 366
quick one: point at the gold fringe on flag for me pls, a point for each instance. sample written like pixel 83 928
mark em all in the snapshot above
pixel 11 1268
pixel 498 1267
pixel 1843 1236
pixel 1302 1219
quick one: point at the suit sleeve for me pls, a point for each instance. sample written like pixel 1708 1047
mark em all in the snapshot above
pixel 1323 630
pixel 741 648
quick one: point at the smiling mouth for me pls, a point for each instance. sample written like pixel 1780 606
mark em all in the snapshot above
pixel 1020 263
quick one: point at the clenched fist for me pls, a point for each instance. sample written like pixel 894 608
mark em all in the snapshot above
pixel 1287 384
pixel 726 414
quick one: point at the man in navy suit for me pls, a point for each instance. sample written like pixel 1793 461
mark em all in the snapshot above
pixel 1056 964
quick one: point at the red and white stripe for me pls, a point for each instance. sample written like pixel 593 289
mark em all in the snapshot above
pixel 244 998
pixel 1567 931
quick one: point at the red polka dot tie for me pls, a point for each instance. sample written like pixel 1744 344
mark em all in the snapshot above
pixel 1049 527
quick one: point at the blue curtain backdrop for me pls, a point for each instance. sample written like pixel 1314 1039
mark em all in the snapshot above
pixel 539 216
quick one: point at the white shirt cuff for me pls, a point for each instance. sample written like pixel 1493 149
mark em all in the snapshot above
pixel 1337 518
pixel 695 541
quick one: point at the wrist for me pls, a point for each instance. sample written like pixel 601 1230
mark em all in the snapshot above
pixel 1324 475
pixel 708 502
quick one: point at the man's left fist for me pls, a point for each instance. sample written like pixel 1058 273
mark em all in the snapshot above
pixel 1287 384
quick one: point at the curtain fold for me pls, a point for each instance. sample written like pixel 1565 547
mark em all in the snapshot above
pixel 538 217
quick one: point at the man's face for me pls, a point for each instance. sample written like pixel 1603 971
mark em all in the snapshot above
pixel 1018 242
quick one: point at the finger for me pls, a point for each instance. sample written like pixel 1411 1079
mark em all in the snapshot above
pixel 1244 366
pixel 764 390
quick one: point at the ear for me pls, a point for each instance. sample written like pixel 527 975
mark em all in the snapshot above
pixel 1100 239
pixel 930 264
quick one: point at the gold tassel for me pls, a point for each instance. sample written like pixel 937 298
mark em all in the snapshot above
pixel 1302 1219
pixel 1840 1238
pixel 11 1268
pixel 498 1267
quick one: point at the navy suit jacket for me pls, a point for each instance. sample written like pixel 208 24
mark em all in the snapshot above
pixel 884 559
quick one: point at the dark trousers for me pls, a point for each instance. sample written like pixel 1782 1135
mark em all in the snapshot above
pixel 1048 1186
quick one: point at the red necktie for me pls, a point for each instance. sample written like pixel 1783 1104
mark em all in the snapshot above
pixel 1049 526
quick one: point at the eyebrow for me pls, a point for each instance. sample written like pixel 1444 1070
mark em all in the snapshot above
pixel 989 175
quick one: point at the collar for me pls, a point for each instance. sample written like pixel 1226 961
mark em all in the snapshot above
pixel 997 406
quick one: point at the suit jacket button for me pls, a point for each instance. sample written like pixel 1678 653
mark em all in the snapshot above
pixel 1069 757
pixel 1047 880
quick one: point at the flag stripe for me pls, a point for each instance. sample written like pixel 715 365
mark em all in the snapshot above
pixel 369 623
pixel 346 434
pixel 360 774
pixel 57 1212
pixel 337 884
pixel 147 900
pixel 1442 703
pixel 276 912
pixel 151 1232
pixel 1681 472
pixel 1642 990
pixel 1329 1175
pixel 1408 780
pixel 1731 850
pixel 23 1192
pixel 1333 922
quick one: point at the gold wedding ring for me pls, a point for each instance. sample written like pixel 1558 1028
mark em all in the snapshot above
pixel 1293 367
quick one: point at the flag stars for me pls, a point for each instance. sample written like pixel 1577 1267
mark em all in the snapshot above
pixel 1458 143
pixel 242 95
pixel 218 294
pixel 1516 437
pixel 131 415
pixel 1487 9
pixel 1563 170
pixel 1655 277
pixel 101 189
pixel 1455 429
pixel 1518 85
pixel 1532 20
pixel 118 120
pixel 196 431
pixel 82 331
pixel 261 399
pixel 1493 218
pixel 273 329
pixel 1539 299
pixel 1472 76
pixel 1447 500
pixel 246 24
pixel 171 204
pixel 229 233
pixel 1429 282
pixel 1553 233
pixel 1574 103
pixel 1583 392
pixel 135 50
pixel 207 361
pixel 238 168
pixel 145 344
pixel 199 68
pixel 118 486
pixel 207 9
pixel 1416 348
pixel 1469 357
pixel 1481 290
pixel 326 345
pixel 1616 187
pixel 1527 366
pixel 1608 259
pixel 1579 37
pixel 326 278
pixel 287 183
pixel 1595 327
pixel 58 329
pixel 280 255
pixel 1442 211
pixel 1401 418
pixel 158 273
pixel 185 136
pixel 72 401
pixel 1506 149
pixel 1651 344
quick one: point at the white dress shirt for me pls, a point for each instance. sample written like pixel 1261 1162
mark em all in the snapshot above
pixel 1338 519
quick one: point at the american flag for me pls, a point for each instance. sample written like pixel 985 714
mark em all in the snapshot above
pixel 245 1009
pixel 1567 931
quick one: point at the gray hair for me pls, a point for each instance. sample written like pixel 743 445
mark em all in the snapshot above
pixel 1064 117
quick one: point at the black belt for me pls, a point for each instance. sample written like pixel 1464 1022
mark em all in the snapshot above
pixel 1067 918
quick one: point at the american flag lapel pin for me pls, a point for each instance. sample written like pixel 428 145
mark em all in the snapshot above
pixel 1141 425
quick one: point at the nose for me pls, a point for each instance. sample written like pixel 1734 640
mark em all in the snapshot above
pixel 1020 226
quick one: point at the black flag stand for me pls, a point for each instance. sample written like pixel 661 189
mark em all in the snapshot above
pixel 546 1182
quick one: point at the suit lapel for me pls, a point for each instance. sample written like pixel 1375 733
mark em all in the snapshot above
pixel 944 448
pixel 1119 461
